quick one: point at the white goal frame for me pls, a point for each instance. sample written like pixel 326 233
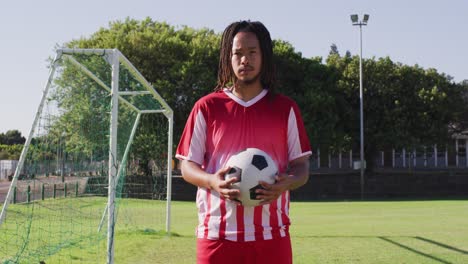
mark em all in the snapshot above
pixel 114 58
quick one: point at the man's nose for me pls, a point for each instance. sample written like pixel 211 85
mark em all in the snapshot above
pixel 244 60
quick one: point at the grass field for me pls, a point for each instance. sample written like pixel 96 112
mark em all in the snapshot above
pixel 322 232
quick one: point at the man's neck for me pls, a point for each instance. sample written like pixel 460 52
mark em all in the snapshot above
pixel 247 92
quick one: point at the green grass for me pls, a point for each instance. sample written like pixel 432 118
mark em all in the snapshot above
pixel 380 232
pixel 322 232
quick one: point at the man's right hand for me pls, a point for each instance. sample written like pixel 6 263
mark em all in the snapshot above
pixel 194 174
pixel 223 186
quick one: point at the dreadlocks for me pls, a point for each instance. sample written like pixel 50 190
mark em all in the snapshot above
pixel 226 74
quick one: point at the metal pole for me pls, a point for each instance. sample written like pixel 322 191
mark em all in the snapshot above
pixel 62 156
pixel 361 113
pixel 170 117
pixel 113 163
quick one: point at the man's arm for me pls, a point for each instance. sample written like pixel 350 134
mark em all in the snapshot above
pixel 194 174
pixel 295 177
pixel 299 172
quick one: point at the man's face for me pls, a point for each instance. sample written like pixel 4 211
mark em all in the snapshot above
pixel 246 57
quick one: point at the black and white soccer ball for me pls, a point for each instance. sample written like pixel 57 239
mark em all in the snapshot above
pixel 251 166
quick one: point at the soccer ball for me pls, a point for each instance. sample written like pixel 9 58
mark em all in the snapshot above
pixel 251 166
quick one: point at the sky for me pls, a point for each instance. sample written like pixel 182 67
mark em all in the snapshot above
pixel 430 33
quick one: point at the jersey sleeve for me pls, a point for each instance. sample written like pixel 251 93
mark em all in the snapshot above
pixel 192 143
pixel 298 142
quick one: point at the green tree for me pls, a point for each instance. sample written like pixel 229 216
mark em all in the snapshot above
pixel 10 152
pixel 313 86
pixel 460 125
pixel 404 106
pixel 334 50
pixel 12 137
pixel 11 145
pixel 4 155
pixel 181 63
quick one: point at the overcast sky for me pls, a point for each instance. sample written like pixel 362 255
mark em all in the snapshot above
pixel 432 34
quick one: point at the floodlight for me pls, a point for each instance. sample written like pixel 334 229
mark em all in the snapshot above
pixel 366 17
pixel 354 18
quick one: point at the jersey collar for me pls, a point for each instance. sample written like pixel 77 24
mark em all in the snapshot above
pixel 243 103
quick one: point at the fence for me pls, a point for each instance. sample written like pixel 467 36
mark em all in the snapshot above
pixel 418 158
pixel 7 168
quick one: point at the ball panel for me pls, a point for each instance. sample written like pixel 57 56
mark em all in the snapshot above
pixel 259 162
pixel 234 172
pixel 253 194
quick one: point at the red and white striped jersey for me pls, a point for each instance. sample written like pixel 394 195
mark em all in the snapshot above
pixel 221 125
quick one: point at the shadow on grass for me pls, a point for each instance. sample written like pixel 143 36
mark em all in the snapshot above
pixel 389 240
pixel 442 245
pixel 151 232
pixel 414 250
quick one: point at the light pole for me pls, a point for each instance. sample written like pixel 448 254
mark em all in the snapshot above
pixel 356 22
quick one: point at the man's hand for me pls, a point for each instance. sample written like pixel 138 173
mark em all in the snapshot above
pixel 297 175
pixel 223 186
pixel 271 192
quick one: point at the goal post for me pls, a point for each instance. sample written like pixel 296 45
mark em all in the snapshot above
pixel 93 108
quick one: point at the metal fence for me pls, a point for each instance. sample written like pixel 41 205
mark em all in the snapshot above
pixel 7 168
pixel 432 157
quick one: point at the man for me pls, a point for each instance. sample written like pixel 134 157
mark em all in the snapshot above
pixel 244 111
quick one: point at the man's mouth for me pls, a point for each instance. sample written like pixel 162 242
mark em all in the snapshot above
pixel 245 70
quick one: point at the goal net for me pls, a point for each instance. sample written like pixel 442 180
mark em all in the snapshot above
pixel 97 164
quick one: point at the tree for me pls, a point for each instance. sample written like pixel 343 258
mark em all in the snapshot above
pixel 460 125
pixel 181 63
pixel 313 86
pixel 10 152
pixel 11 144
pixel 334 50
pixel 12 137
pixel 151 141
pixel 404 106
pixel 4 155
